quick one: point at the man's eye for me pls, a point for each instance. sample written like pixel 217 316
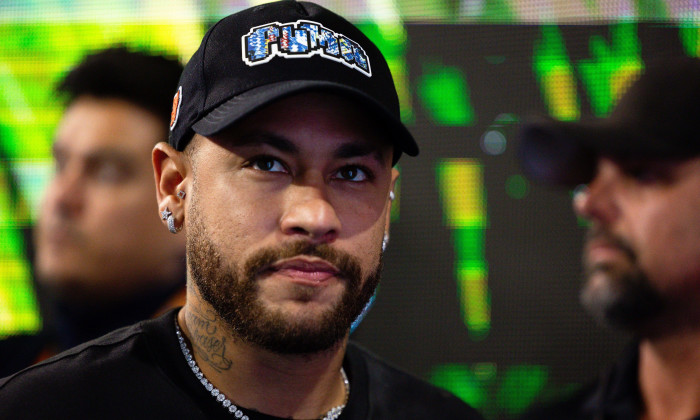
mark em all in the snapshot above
pixel 109 173
pixel 353 173
pixel 267 164
pixel 59 165
pixel 645 174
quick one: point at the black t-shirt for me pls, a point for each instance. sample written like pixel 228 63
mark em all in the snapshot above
pixel 139 372
pixel 613 396
pixel 68 324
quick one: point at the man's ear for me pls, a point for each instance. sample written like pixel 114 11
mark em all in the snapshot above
pixel 171 169
pixel 391 197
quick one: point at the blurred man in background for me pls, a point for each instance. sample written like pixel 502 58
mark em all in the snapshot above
pixel 642 252
pixel 102 258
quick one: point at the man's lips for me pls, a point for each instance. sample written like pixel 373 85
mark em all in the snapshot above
pixel 598 250
pixel 59 235
pixel 305 271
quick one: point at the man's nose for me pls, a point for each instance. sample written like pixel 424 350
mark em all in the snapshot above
pixel 309 213
pixel 66 194
pixel 597 201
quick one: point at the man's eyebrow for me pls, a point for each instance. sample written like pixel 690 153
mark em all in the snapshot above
pixel 345 151
pixel 101 155
pixel 109 155
pixel 273 140
pixel 351 150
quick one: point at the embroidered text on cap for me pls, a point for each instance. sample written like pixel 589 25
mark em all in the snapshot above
pixel 302 39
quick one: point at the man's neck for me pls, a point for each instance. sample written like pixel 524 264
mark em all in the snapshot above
pixel 669 376
pixel 288 386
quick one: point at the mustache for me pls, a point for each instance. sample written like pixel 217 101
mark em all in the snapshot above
pixel 597 233
pixel 348 266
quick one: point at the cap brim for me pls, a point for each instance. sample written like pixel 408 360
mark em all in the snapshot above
pixel 566 153
pixel 231 111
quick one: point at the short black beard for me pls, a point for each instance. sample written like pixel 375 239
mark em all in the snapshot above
pixel 232 293
pixel 628 301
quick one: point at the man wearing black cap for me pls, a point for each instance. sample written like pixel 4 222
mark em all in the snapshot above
pixel 284 131
pixel 642 252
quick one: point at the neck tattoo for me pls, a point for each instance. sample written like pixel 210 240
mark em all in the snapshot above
pixel 236 411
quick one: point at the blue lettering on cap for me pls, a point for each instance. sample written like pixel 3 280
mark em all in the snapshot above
pixel 302 39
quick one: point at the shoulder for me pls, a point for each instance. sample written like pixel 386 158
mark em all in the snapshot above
pixel 615 390
pixel 76 364
pixel 398 394
pixel 20 351
pixel 86 379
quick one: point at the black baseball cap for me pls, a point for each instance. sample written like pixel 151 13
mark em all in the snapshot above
pixel 657 118
pixel 265 53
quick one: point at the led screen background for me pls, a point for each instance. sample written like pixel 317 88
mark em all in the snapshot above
pixel 481 276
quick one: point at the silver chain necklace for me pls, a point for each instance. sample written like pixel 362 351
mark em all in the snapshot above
pixel 332 414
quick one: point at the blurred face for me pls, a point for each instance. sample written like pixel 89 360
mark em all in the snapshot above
pixel 642 254
pixel 98 235
pixel 286 220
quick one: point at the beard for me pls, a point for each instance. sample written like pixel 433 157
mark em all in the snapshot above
pixel 232 291
pixel 620 295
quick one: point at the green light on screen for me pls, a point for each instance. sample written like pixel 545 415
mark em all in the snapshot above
pixel 19 311
pixel 517 187
pixel 461 381
pixel 612 67
pixel 495 392
pixel 460 182
pixel 690 38
pixel 498 11
pixel 652 9
pixel 520 386
pixel 556 75
pixel 445 95
pixel 392 43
